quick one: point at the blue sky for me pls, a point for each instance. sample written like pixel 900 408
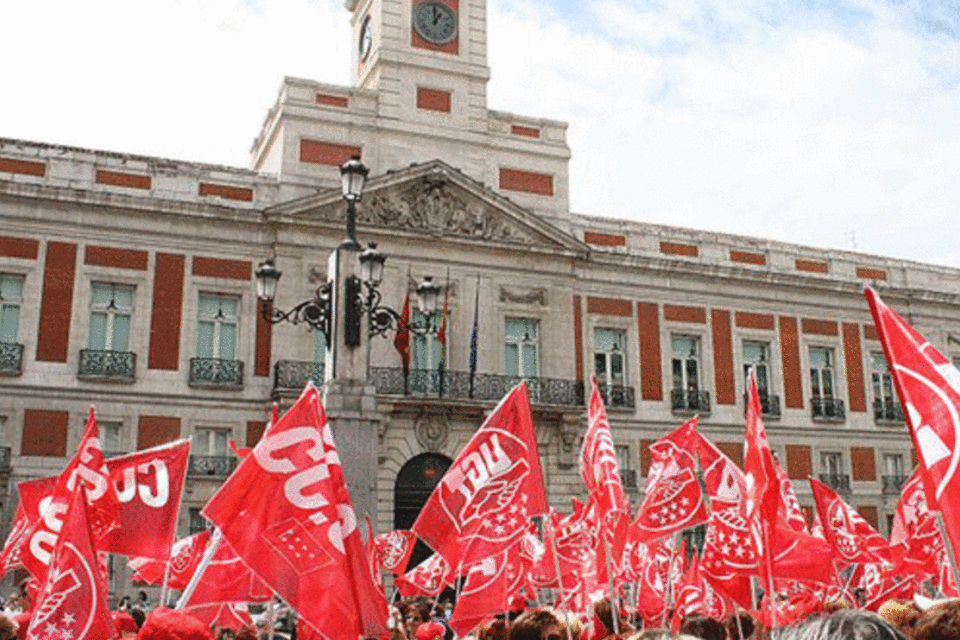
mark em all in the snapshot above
pixel 824 123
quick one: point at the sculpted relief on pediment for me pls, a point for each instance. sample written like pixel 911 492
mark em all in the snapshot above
pixel 430 205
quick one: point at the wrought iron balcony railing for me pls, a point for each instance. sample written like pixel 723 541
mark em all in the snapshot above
pixel 690 401
pixel 4 459
pixel 894 484
pixel 887 410
pixel 216 372
pixel 96 364
pixel 213 466
pixel 11 359
pixel 769 404
pixel 481 386
pixel 617 397
pixel 826 408
pixel 836 481
pixel 294 374
pixel 629 478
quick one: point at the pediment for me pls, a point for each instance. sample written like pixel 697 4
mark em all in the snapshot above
pixel 437 200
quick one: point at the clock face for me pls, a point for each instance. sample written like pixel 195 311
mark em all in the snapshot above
pixel 366 39
pixel 435 22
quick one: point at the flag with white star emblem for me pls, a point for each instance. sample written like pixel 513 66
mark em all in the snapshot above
pixel 915 539
pixel 72 604
pixel 673 498
pixel 488 586
pixel 852 537
pixel 484 501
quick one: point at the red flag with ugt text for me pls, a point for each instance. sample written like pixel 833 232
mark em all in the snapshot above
pixel 426 579
pixel 673 499
pixel 483 503
pixel 87 468
pixel 286 512
pixel 72 602
pixel 929 390
pixel 600 472
pixel 184 560
pixel 148 486
pixel 852 538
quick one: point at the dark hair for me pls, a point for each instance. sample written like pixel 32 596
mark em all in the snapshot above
pixel 940 621
pixel 747 625
pixel 530 624
pixel 138 616
pixel 493 630
pixel 847 624
pixel 8 628
pixel 705 627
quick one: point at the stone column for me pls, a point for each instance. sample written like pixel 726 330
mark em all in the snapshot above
pixel 349 400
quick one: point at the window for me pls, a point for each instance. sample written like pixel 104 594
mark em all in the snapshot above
pixel 111 440
pixel 426 352
pixel 885 403
pixel 197 522
pixel 210 442
pixel 757 355
pixel 894 475
pixel 11 298
pixel 831 471
pixel 687 394
pixel 608 349
pixel 822 384
pixel 217 326
pixel 111 306
pixel 627 474
pixel 521 351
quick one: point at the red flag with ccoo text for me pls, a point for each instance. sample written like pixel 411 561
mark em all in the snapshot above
pixel 287 513
pixel 483 503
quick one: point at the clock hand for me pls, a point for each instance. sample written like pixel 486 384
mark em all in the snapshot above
pixel 436 15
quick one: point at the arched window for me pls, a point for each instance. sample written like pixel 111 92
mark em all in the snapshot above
pixel 415 483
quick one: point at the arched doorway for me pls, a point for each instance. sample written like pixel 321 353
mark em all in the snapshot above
pixel 415 483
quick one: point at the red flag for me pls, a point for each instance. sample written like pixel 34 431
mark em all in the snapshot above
pixel 655 578
pixel 184 560
pixel 929 389
pixel 226 578
pixel 854 540
pixel 790 511
pixel 763 489
pixel 598 464
pixel 696 596
pixel 73 600
pixel 915 539
pixel 673 499
pixel 225 615
pixel 402 340
pixel 427 578
pixel 487 587
pixel 483 503
pixel 148 486
pixel 393 550
pixel 286 512
pixel 87 465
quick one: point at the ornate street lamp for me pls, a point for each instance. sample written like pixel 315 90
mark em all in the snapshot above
pixel 364 291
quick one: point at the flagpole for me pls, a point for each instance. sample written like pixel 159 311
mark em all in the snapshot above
pixel 215 540
pixel 771 594
pixel 474 338
pixel 163 589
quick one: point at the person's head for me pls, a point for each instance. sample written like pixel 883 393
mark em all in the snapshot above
pixel 138 616
pixel 431 631
pixel 8 628
pixel 603 611
pixel 939 622
pixel 902 615
pixel 493 630
pixel 142 596
pixel 537 624
pixel 701 626
pixel 746 626
pixel 415 614
pixel 848 624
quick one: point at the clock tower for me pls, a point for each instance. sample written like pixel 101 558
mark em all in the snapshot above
pixel 418 93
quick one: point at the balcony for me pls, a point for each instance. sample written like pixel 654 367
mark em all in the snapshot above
pixel 293 375
pixel 769 405
pixel 115 366
pixel 457 385
pixel 893 485
pixel 216 372
pixel 690 401
pixel 212 466
pixel 617 397
pixel 629 478
pixel 887 410
pixel 836 481
pixel 829 409
pixel 11 359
